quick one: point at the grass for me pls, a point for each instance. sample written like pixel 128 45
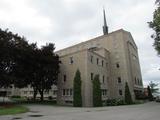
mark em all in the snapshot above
pixel 12 109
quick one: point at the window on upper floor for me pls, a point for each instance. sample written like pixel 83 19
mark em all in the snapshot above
pixel 103 79
pixel 64 78
pixel 91 76
pixel 102 63
pixel 119 80
pixel 91 59
pixel 71 92
pixel 106 65
pixel 135 80
pixel 97 61
pixel 71 60
pixel 64 92
pixel 120 92
pixel 117 65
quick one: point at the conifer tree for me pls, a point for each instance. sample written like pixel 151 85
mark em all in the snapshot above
pixel 128 97
pixel 97 96
pixel 150 96
pixel 77 97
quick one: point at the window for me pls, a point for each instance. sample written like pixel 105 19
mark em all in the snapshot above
pixel 106 65
pixel 55 92
pixel 102 63
pixel 64 78
pixel 64 92
pixel 91 76
pixel 135 80
pixel 117 65
pixel 67 91
pixel 103 78
pixel 120 92
pixel 97 61
pixel 71 60
pixel 71 92
pixel 138 81
pixel 104 92
pixel 119 80
pixel 91 59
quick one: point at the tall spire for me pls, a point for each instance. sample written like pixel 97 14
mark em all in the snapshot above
pixel 105 27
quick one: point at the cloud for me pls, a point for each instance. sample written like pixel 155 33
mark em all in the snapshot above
pixel 67 22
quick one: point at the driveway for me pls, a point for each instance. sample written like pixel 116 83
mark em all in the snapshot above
pixel 147 111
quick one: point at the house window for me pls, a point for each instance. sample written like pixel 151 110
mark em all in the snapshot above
pixel 117 65
pixel 103 78
pixel 106 65
pixel 91 76
pixel 97 61
pixel 71 60
pixel 71 92
pixel 119 80
pixel 64 78
pixel 135 80
pixel 67 91
pixel 64 92
pixel 120 92
pixel 102 63
pixel 91 59
pixel 104 92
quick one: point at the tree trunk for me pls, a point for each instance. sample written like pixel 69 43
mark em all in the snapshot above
pixel 41 93
pixel 34 94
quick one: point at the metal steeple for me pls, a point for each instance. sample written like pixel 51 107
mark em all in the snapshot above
pixel 105 27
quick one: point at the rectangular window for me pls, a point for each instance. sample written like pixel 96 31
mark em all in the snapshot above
pixel 64 92
pixel 102 63
pixel 103 78
pixel 135 80
pixel 91 59
pixel 67 91
pixel 119 80
pixel 71 92
pixel 97 61
pixel 91 76
pixel 117 65
pixel 71 60
pixel 106 65
pixel 120 92
pixel 64 78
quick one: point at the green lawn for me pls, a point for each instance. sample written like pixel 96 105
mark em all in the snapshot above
pixel 15 109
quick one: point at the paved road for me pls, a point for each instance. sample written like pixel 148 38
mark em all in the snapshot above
pixel 147 111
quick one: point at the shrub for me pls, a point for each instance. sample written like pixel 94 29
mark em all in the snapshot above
pixel 128 97
pixel 15 96
pixel 115 102
pixel 77 97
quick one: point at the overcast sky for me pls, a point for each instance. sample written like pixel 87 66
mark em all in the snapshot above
pixel 67 22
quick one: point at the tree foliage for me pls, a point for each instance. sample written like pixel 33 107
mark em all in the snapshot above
pixel 153 87
pixel 24 64
pixel 97 95
pixel 128 97
pixel 150 96
pixel 155 25
pixel 77 97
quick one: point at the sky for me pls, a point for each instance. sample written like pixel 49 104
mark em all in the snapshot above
pixel 68 22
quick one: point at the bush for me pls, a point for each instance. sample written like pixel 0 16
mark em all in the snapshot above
pixel 15 96
pixel 77 97
pixel 128 97
pixel 115 102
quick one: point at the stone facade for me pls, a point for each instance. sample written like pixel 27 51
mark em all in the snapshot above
pixel 113 56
